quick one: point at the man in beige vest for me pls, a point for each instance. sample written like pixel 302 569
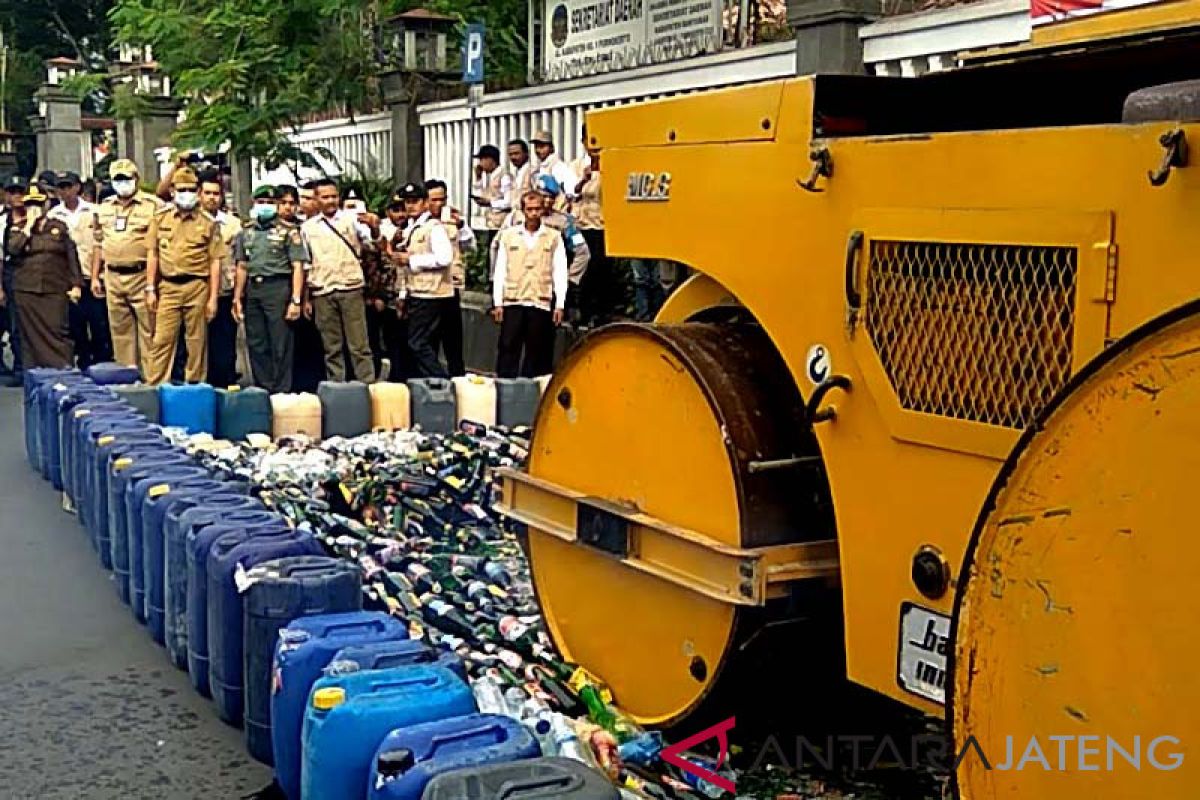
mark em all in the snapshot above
pixel 522 171
pixel 599 289
pixel 335 283
pixel 118 267
pixel 462 240
pixel 492 190
pixel 529 293
pixel 426 261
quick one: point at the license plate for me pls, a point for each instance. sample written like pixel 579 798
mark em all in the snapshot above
pixel 924 647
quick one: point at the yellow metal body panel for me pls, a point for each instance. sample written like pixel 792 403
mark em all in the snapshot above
pixel 1078 615
pixel 899 480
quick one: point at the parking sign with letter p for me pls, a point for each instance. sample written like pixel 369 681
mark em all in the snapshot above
pixel 473 54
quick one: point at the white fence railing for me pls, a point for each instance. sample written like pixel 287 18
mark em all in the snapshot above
pixel 364 142
pixel 560 107
pixel 930 41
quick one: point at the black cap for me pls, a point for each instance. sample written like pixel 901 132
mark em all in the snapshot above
pixel 413 191
pixel 47 176
pixel 16 184
pixel 395 762
pixel 489 151
pixel 66 178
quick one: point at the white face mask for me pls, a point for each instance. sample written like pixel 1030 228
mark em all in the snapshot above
pixel 125 188
pixel 186 201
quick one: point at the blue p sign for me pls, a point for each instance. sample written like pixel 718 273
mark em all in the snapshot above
pixel 473 54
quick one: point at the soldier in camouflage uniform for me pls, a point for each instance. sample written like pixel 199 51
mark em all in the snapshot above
pixel 269 293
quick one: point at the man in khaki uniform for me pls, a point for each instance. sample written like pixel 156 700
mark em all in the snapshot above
pixel 121 228
pixel 529 293
pixel 183 275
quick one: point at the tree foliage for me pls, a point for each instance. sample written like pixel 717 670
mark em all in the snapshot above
pixel 248 69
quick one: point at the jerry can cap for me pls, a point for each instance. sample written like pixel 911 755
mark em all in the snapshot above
pixel 329 697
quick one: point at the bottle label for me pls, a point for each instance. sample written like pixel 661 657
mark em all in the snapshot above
pixel 106 440
pixel 158 491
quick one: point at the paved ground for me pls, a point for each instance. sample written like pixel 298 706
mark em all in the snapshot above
pixel 90 707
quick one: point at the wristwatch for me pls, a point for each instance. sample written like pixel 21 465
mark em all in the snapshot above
pixel 295 300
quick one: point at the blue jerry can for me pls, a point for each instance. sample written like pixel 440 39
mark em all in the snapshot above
pixel 282 591
pixel 301 652
pixel 410 757
pixel 229 561
pixel 349 715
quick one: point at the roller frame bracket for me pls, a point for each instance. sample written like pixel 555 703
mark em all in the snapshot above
pixel 732 575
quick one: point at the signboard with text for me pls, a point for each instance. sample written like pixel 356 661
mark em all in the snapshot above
pixel 588 37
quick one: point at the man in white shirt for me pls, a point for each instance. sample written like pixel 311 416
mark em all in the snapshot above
pixel 462 239
pixel 529 293
pixel 426 262
pixel 522 171
pixel 89 317
pixel 550 164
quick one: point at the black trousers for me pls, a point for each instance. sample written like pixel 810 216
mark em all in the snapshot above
pixel 308 365
pixel 600 289
pixel 425 331
pixel 89 329
pixel 526 347
pixel 452 336
pixel 222 344
pixel 388 336
pixel 269 336
pixel 12 321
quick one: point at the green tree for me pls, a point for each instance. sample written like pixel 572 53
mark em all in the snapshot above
pixel 36 31
pixel 248 69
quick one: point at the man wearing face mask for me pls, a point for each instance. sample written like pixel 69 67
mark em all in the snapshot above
pixel 118 267
pixel 271 259
pixel 46 273
pixel 223 329
pixel 183 275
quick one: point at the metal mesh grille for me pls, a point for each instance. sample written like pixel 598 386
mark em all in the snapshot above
pixel 978 332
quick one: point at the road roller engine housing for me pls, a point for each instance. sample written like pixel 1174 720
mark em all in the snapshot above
pixel 953 402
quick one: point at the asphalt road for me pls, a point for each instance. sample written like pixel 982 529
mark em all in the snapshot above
pixel 90 706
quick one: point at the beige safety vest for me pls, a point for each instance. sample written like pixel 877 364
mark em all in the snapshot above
pixel 587 208
pixel 430 284
pixel 530 272
pixel 493 192
pixel 458 273
pixel 334 265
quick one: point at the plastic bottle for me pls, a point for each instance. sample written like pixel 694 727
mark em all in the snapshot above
pixel 489 695
pixel 566 741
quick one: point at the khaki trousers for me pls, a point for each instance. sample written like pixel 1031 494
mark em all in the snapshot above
pixel 180 303
pixel 341 318
pixel 129 321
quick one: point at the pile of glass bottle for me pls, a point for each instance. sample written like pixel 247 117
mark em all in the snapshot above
pixel 415 512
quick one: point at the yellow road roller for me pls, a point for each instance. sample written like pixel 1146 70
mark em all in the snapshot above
pixel 937 373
